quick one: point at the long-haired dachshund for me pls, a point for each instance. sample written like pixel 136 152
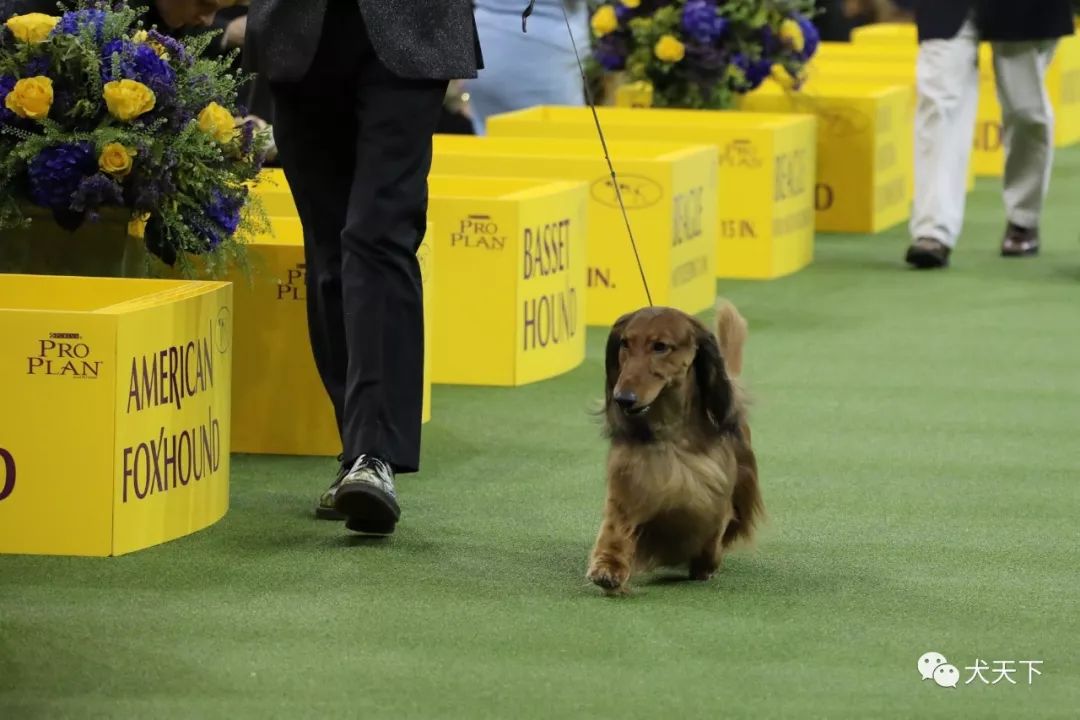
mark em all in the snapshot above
pixel 682 481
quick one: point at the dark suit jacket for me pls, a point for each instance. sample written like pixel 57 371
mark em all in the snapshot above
pixel 423 39
pixel 1005 20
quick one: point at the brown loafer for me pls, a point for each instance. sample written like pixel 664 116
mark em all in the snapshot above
pixel 1020 241
pixel 926 253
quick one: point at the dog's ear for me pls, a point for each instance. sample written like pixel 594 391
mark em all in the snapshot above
pixel 611 357
pixel 714 385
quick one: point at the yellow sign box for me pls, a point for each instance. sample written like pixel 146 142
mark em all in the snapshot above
pixel 280 404
pixel 509 305
pixel 886 33
pixel 1062 84
pixel 880 73
pixel 670 194
pixel 863 179
pixel 115 431
pixel 765 194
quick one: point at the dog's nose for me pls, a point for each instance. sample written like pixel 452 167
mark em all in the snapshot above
pixel 626 399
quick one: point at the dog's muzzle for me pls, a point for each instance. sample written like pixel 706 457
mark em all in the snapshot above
pixel 628 403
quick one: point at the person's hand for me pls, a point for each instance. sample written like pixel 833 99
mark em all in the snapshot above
pixel 260 126
pixel 234 33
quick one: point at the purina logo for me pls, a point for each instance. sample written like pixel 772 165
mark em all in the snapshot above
pixel 934 666
pixel 740 153
pixel 479 232
pixel 637 192
pixel 292 287
pixel 63 355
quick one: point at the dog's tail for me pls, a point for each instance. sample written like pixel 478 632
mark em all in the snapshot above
pixel 731 332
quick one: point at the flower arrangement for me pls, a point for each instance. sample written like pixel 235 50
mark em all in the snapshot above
pixel 100 114
pixel 703 53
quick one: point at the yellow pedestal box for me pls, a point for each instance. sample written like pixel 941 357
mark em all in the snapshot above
pixel 863 179
pixel 509 305
pixel 670 194
pixel 880 73
pixel 114 435
pixel 279 404
pixel 766 173
pixel 887 33
pixel 1062 84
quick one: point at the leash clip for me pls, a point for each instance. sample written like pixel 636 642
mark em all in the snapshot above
pixel 525 15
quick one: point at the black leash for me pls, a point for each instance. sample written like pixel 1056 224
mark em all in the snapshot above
pixel 599 130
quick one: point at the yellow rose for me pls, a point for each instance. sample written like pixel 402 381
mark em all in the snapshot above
pixel 604 21
pixel 128 99
pixel 669 49
pixel 218 123
pixel 32 28
pixel 116 159
pixel 31 98
pixel 631 3
pixel 791 33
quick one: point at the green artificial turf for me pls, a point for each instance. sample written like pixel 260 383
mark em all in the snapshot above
pixel 917 438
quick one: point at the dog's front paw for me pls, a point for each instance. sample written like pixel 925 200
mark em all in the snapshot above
pixel 701 574
pixel 702 569
pixel 610 576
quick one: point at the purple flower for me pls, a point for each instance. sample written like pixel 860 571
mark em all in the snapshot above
pixel 174 47
pixel 811 36
pixel 755 71
pixel 770 43
pixel 209 233
pixel 706 58
pixel 7 84
pixel 151 183
pixel 73 22
pixel 224 210
pixel 623 13
pixel 701 21
pixel 139 62
pixel 610 52
pixel 94 192
pixel 37 66
pixel 247 137
pixel 57 171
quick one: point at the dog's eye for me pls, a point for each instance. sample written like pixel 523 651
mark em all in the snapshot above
pixel 624 343
pixel 660 347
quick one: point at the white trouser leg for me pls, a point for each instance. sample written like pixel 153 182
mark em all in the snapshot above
pixel 1027 125
pixel 947 79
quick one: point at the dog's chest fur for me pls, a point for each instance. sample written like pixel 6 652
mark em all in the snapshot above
pixel 678 496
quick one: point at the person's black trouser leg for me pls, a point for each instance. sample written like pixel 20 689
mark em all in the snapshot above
pixel 355 145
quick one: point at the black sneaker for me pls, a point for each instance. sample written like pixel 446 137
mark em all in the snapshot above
pixel 1019 241
pixel 324 509
pixel 926 253
pixel 367 498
